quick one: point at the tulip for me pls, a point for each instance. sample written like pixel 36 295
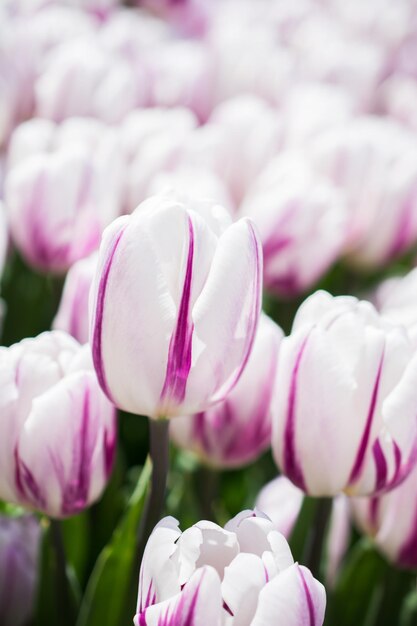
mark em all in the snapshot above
pixel 175 308
pixel 344 418
pixel 238 429
pixel 374 163
pixel 390 520
pixel 58 430
pixel 19 555
pixel 281 501
pixel 72 315
pixel 81 77
pixel 59 202
pixel 396 299
pixel 302 222
pixel 242 574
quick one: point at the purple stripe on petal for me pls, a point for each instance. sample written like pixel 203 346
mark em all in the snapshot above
pixel 291 465
pixel 179 356
pixel 309 599
pixel 26 483
pixel 373 511
pixel 363 446
pixel 97 347
pixel 380 466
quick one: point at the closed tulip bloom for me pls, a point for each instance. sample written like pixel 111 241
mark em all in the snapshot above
pixel 391 522
pixel 238 429
pixel 58 430
pixel 176 303
pixel 302 222
pixel 19 556
pixel 72 315
pixel 396 299
pixel 243 574
pixel 374 163
pixel 58 204
pixel 344 418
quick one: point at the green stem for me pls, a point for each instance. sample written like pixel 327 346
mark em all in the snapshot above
pixel 313 550
pixel 65 605
pixel 159 453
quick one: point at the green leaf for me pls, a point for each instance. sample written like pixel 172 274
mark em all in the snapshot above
pixel 301 530
pixel 107 592
pixel 409 612
pixel 360 588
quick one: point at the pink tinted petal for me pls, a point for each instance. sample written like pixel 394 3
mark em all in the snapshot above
pixel 281 501
pixel 294 597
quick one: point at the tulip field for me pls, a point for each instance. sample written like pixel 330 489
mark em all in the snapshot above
pixel 208 312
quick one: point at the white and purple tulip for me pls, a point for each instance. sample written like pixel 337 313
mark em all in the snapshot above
pixel 373 161
pixel 302 223
pixel 391 522
pixel 19 556
pixel 345 418
pixel 58 430
pixel 59 202
pixel 396 299
pixel 72 315
pixel 176 302
pixel 237 430
pixel 241 575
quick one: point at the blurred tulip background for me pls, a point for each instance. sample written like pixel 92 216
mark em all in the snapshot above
pixel 208 312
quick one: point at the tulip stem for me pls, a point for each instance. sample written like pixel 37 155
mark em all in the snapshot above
pixel 64 596
pixel 315 540
pixel 159 453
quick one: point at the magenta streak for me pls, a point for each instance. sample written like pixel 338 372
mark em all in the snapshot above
pixel 97 347
pixel 360 457
pixel 227 609
pixel 401 240
pixel 109 450
pixel 380 466
pixel 373 511
pixel 26 483
pixel 180 347
pixel 291 465
pixel 309 599
pixel 75 493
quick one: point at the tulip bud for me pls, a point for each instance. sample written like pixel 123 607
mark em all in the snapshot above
pixel 374 163
pixel 396 299
pixel 238 429
pixel 344 418
pixel 175 308
pixel 59 202
pixel 72 315
pixel 242 574
pixel 51 397
pixel 19 554
pixel 391 521
pixel 301 220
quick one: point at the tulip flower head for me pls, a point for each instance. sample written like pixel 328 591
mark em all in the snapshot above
pixel 243 574
pixel 238 429
pixel 50 397
pixel 345 414
pixel 176 302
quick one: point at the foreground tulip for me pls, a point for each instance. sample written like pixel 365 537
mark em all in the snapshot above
pixel 175 308
pixel 238 429
pixel 243 575
pixel 58 430
pixel 345 412
pixel 72 315
pixel 19 552
pixel 391 521
pixel 302 223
